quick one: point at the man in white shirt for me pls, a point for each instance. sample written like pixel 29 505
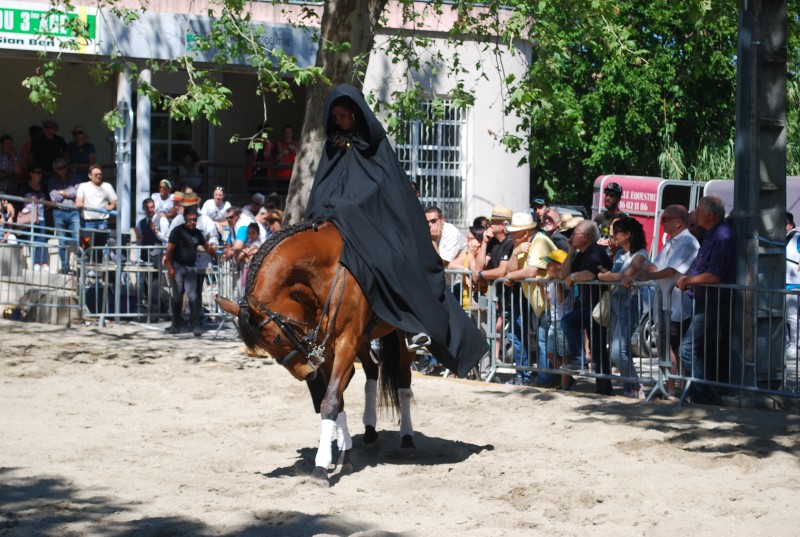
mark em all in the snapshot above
pixel 447 239
pixel 671 263
pixel 95 194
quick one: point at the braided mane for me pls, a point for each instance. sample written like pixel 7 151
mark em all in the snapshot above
pixel 267 247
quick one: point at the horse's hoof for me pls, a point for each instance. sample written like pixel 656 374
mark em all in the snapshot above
pixel 370 435
pixel 407 442
pixel 346 465
pixel 320 476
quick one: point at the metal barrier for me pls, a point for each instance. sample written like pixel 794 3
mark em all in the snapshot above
pixel 634 349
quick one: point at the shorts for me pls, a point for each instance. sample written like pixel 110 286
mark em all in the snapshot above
pixel 556 340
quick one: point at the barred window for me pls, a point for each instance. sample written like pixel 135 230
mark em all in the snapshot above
pixel 435 155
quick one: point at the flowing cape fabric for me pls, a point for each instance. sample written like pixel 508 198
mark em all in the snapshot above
pixel 365 192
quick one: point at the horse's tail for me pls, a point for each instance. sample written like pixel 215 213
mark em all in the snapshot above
pixel 391 346
pixel 250 317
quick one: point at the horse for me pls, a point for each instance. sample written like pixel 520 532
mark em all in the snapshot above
pixel 303 307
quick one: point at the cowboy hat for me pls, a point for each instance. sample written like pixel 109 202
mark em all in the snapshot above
pixel 521 222
pixel 569 221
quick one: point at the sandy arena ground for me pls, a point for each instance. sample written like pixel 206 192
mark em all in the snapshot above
pixel 127 431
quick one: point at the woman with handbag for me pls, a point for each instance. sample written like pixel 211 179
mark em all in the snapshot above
pixel 624 300
pixel 31 218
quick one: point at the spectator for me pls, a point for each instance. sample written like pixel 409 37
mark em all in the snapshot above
pixel 66 218
pixel 792 346
pixel 523 263
pixel 612 194
pixel 791 231
pixel 559 300
pixel 26 153
pixel 181 260
pixel 10 164
pixel 48 147
pixel 584 261
pixel 252 208
pixel 96 198
pixel 284 154
pixel 216 207
pixel 539 206
pixel 526 262
pixel 191 170
pixel 491 260
pixel 80 152
pixel 164 200
pixel 706 336
pixel 550 224
pixel 237 222
pixel 671 263
pixel 33 212
pixel 447 239
pixel 568 224
pixel 262 224
pixel 698 232
pixel 147 230
pixel 274 221
pixel 466 260
pixel 257 155
pixel 251 246
pixel 480 221
pixel 624 302
pixel 8 212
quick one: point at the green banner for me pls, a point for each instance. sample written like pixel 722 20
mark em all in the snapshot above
pixel 43 23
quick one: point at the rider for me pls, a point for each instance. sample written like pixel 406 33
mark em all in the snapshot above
pixel 362 188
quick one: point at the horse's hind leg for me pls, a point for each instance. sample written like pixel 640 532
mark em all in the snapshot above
pixel 405 396
pixel 370 418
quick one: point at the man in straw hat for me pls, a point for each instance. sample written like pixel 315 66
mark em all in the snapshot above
pixel 526 262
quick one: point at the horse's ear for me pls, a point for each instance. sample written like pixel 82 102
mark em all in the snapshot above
pixel 227 305
pixel 255 309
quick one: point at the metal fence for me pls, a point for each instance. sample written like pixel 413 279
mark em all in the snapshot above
pixel 529 345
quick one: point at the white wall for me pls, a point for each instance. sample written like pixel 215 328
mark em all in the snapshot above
pixel 494 177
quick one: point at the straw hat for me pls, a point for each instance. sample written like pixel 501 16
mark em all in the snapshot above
pixel 569 221
pixel 190 198
pixel 501 213
pixel 521 222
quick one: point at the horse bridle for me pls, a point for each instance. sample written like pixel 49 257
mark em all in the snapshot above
pixel 304 344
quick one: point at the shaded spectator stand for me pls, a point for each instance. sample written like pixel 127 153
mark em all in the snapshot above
pixel 760 191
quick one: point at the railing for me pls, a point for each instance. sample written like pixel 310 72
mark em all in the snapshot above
pixel 633 350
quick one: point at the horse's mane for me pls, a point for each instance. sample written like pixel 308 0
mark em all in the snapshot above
pixel 267 247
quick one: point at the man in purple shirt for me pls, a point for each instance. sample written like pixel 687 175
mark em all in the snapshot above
pixel 705 338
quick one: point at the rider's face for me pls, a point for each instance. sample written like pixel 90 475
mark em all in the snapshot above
pixel 343 117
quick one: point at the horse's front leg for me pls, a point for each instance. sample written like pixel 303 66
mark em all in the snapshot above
pixel 332 409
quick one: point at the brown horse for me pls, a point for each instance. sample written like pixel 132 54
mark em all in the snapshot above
pixel 305 309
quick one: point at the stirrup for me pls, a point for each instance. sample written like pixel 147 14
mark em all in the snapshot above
pixel 417 341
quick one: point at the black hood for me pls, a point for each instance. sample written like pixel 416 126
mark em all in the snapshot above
pixel 369 128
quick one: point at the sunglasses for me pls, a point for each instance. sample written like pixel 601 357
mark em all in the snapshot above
pixel 191 220
pixel 433 220
pixel 221 189
pixel 229 218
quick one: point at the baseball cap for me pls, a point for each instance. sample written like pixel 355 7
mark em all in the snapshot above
pixel 613 188
pixel 555 256
pixel 539 200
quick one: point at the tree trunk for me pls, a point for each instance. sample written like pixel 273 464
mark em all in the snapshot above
pixel 351 21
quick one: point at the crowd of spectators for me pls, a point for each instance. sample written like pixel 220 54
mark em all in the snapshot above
pixel 551 269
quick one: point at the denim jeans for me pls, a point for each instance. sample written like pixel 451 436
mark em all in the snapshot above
pixel 517 335
pixel 100 225
pixel 574 323
pixel 68 227
pixel 39 254
pixel 704 347
pixel 624 316
pixel 542 362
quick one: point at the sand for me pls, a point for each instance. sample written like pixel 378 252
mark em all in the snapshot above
pixel 127 431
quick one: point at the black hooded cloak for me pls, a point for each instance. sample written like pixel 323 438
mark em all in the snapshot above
pixel 362 188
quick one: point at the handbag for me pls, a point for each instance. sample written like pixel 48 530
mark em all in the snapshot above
pixel 601 314
pixel 25 219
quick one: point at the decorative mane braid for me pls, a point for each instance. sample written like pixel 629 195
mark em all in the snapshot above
pixel 267 247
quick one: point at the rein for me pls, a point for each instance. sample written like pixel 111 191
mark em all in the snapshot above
pixel 305 345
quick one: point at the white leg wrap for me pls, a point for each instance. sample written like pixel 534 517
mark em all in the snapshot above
pixel 343 438
pixel 371 403
pixel 405 395
pixel 324 456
